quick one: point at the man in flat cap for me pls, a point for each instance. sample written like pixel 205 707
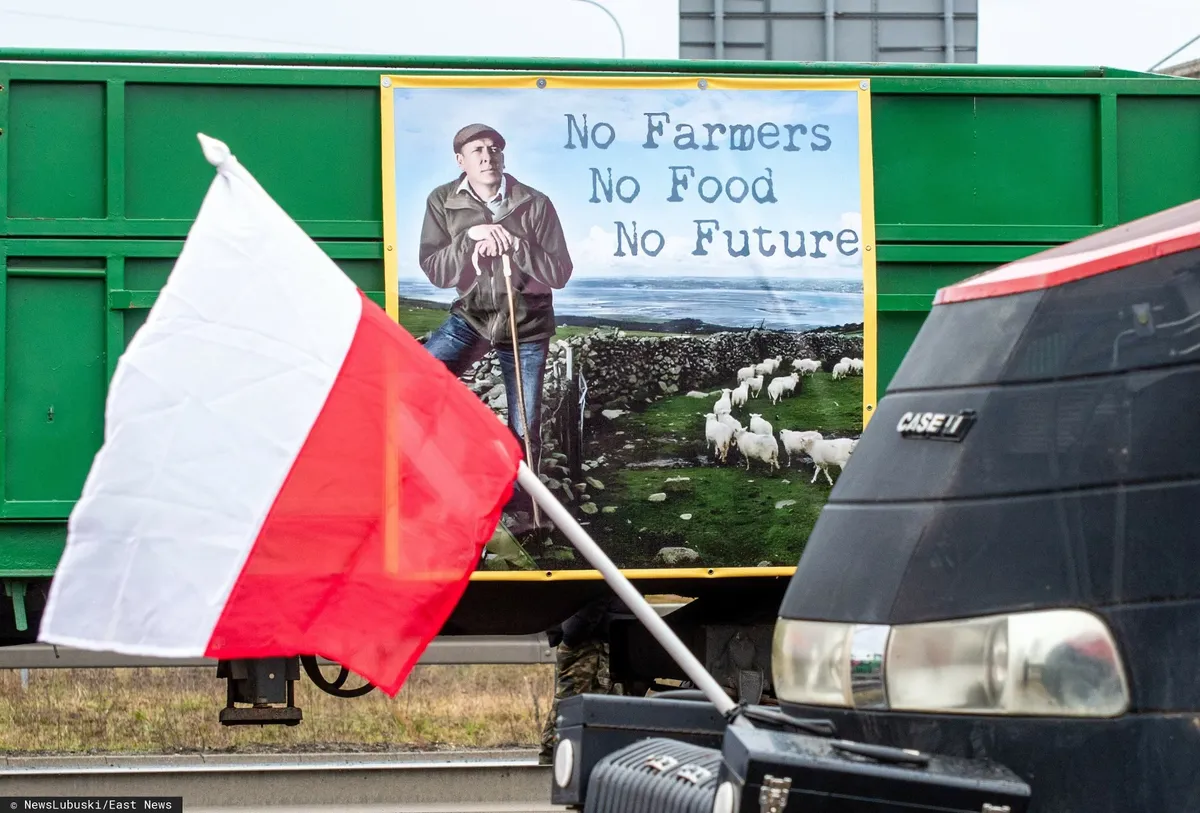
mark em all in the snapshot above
pixel 469 223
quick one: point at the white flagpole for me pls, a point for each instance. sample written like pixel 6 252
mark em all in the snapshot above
pixel 625 590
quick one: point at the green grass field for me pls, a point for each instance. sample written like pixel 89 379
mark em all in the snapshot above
pixel 419 321
pixel 825 405
pixel 174 710
pixel 732 517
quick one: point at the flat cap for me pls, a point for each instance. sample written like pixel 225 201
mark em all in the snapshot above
pixel 474 131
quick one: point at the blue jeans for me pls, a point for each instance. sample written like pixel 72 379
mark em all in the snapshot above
pixel 458 345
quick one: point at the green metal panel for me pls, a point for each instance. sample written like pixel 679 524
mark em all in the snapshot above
pixel 71 308
pixel 321 159
pixel 391 62
pixel 31 549
pixel 1002 149
pixel 917 279
pixel 366 274
pixel 1159 154
pixel 896 333
pixel 55 381
pixel 131 321
pixel 56 150
pixel 147 273
pixel 100 177
pixel 150 273
pixel 906 292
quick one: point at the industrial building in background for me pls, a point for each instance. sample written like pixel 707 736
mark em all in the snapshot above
pixel 830 30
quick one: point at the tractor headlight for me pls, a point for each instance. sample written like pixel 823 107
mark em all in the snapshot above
pixel 811 659
pixel 1050 662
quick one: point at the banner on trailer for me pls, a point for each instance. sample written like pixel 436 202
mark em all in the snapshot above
pixel 692 278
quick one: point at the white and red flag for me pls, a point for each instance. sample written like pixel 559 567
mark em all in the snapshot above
pixel 285 470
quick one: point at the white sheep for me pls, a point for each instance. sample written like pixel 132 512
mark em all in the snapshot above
pixel 722 406
pixel 744 373
pixel 740 395
pixel 826 453
pixel 781 385
pixel 768 366
pixel 759 426
pixel 760 447
pixel 719 435
pixel 793 441
pixel 856 365
pixel 841 369
pixel 730 421
pixel 806 366
pixel 756 385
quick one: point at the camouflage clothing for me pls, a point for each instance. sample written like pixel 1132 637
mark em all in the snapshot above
pixel 579 669
pixel 581 659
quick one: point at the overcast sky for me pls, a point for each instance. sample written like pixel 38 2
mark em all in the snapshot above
pixel 1132 34
pixel 1118 33
pixel 417 27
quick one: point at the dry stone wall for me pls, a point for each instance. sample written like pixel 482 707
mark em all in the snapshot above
pixel 622 371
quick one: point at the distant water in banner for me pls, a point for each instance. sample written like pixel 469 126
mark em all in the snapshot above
pixel 781 303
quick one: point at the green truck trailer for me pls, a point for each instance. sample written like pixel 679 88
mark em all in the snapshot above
pixel 957 169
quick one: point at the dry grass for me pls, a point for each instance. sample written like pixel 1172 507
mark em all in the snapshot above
pixel 174 710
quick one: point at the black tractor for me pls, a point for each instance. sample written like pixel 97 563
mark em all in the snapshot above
pixel 999 607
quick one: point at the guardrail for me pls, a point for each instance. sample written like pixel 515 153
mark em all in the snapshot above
pixel 447 650
pixel 467 649
pixel 460 781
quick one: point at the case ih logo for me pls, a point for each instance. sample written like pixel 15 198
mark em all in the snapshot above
pixel 936 425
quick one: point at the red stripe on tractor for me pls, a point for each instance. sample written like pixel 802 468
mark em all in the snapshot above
pixel 965 292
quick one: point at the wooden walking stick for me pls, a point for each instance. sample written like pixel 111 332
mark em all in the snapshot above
pixel 512 323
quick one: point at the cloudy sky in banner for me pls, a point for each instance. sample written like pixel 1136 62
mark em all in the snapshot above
pixel 813 190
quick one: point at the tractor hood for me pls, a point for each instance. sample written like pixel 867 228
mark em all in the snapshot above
pixel 1038 447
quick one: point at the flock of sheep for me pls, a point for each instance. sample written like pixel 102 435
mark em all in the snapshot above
pixel 723 431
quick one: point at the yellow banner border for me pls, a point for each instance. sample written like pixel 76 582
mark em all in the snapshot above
pixel 388 83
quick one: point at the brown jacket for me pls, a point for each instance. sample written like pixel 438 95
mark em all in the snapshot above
pixel 541 264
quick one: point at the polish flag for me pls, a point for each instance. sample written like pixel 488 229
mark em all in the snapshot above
pixel 285 470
